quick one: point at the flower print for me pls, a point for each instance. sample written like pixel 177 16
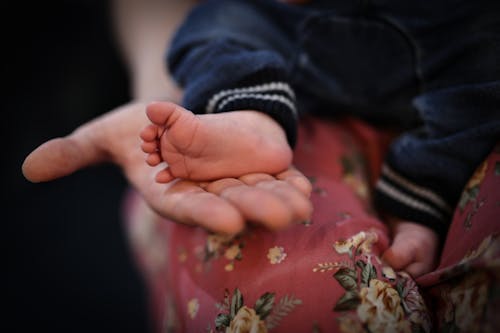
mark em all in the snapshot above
pixel 388 273
pixel 413 302
pixel 354 174
pixel 468 300
pixel 482 249
pixel 343 246
pixel 229 267
pixel 363 241
pixel 471 190
pixel 219 246
pixel 358 184
pixel 276 255
pixel 381 309
pixel 215 241
pixel 367 244
pixel 232 252
pixel 382 300
pixel 246 321
pixel 192 307
pixel 350 324
pixel 478 176
pixel 265 315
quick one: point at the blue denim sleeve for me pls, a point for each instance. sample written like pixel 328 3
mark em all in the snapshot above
pixel 427 169
pixel 227 56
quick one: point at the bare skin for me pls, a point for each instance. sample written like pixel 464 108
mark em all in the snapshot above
pixel 213 146
pixel 224 145
pixel 414 248
pixel 223 205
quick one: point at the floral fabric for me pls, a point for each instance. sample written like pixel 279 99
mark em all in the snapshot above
pixel 465 288
pixel 322 275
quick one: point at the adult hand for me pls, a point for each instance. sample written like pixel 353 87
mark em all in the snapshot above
pixel 223 206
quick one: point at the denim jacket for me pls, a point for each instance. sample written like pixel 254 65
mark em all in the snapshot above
pixel 431 68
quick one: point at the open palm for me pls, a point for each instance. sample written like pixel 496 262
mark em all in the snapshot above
pixel 223 205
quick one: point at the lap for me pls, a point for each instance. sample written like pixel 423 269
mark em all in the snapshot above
pixel 464 287
pixel 324 274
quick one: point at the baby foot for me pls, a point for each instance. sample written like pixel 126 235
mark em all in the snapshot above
pixel 212 146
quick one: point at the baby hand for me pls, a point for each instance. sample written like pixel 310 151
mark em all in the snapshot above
pixel 414 248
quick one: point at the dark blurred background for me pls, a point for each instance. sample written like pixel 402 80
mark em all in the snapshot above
pixel 68 264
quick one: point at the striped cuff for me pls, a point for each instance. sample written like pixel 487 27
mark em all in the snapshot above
pixel 401 197
pixel 276 99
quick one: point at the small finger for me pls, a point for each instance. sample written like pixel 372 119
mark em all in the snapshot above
pixel 417 269
pixel 218 186
pixel 295 178
pixel 297 203
pixel 211 212
pixel 256 205
pixel 254 178
pixel 259 206
pixel 397 257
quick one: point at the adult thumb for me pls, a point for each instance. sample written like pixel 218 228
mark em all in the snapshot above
pixel 60 157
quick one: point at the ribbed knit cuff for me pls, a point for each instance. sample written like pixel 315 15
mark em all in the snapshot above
pixel 403 198
pixel 265 92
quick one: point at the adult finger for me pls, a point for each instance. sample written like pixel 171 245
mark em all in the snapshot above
pixel 296 202
pixel 291 198
pixel 186 202
pixel 254 178
pixel 256 205
pixel 286 185
pixel 295 178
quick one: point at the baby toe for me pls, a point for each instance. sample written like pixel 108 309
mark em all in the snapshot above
pixel 149 147
pixel 149 133
pixel 153 159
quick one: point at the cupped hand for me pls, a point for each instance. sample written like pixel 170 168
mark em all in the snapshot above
pixel 414 248
pixel 223 205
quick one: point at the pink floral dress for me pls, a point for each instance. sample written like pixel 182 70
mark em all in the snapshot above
pixel 324 275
